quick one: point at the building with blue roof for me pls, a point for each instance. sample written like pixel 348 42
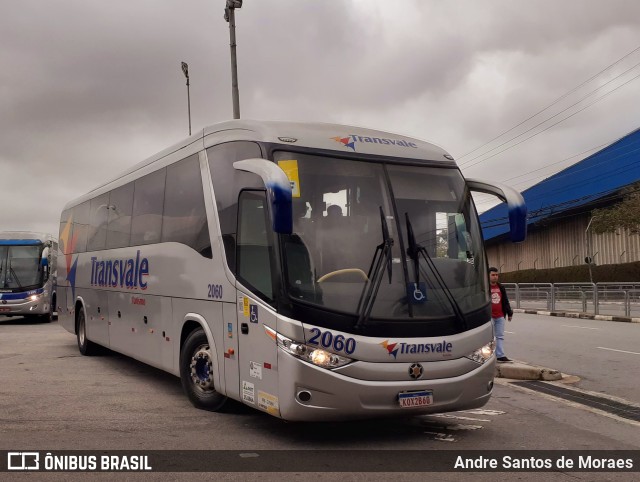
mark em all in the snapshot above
pixel 560 210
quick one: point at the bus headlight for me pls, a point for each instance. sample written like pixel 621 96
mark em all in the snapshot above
pixel 34 298
pixel 482 354
pixel 311 354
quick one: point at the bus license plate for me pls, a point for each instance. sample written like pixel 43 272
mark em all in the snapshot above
pixel 4 308
pixel 415 399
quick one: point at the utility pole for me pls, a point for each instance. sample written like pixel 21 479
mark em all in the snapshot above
pixel 588 259
pixel 185 70
pixel 230 17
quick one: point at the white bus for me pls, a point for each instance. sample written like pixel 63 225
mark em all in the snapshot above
pixel 28 274
pixel 311 271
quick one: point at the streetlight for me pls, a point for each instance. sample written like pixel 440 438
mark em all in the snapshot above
pixel 185 71
pixel 230 17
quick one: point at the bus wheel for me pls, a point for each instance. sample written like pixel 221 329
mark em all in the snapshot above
pixel 196 372
pixel 85 346
pixel 47 318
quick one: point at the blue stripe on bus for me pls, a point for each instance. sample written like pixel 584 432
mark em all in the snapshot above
pixel 20 296
pixel 19 242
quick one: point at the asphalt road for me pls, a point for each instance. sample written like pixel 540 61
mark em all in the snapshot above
pixel 52 398
pixel 604 354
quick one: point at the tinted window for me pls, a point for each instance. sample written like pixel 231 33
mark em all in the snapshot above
pixel 148 200
pixel 80 227
pixel 98 222
pixel 255 251
pixel 184 219
pixel 227 183
pixel 65 236
pixel 120 208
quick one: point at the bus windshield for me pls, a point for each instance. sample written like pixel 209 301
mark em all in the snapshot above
pixel 20 267
pixel 403 239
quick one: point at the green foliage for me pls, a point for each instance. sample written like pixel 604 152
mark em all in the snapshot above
pixel 625 214
pixel 623 273
pixel 442 244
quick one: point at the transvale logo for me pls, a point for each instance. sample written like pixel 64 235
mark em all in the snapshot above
pixel 352 140
pixel 120 273
pixel 128 273
pixel 390 347
pixel 444 347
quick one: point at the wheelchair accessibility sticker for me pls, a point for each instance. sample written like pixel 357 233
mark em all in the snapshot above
pixel 417 293
pixel 253 313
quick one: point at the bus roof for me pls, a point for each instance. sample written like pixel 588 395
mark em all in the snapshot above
pixel 24 237
pixel 314 135
pixel 337 137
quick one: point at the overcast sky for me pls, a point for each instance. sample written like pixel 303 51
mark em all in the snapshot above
pixel 89 88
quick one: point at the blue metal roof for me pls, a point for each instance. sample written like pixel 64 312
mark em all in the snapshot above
pixel 593 178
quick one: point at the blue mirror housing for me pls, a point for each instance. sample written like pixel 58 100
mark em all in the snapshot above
pixel 44 261
pixel 278 191
pixel 515 204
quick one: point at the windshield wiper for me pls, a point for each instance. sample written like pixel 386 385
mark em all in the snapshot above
pixel 381 257
pixel 414 251
pixel 15 276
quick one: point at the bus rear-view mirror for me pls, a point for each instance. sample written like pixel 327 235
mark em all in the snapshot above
pixel 515 204
pixel 278 191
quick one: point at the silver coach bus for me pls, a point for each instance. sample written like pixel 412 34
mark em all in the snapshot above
pixel 27 274
pixel 311 271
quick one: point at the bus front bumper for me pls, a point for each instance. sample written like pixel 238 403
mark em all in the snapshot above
pixel 310 393
pixel 39 306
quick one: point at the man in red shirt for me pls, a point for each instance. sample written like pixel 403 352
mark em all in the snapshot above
pixel 500 308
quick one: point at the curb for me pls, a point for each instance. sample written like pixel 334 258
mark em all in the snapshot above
pixel 521 371
pixel 574 314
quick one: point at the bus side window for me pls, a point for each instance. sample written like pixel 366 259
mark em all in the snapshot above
pixel 119 223
pixel 65 233
pixel 184 219
pixel 80 227
pixel 254 249
pixel 148 201
pixel 99 214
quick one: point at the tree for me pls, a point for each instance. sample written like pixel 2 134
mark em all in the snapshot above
pixel 625 214
pixel 442 243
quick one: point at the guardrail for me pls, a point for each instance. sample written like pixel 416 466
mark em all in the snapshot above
pixel 597 298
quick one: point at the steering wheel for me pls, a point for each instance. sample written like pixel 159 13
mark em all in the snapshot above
pixel 343 271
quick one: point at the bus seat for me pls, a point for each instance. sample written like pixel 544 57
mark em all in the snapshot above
pixel 299 269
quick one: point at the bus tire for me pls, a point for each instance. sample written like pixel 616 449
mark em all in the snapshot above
pixel 46 318
pixel 196 372
pixel 85 346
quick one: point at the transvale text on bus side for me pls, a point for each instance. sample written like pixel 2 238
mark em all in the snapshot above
pixel 123 273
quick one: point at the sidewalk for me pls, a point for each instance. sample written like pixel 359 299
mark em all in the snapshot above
pixel 574 314
pixel 517 370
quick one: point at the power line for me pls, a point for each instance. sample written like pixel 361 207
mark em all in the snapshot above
pixel 590 180
pixel 602 196
pixel 592 166
pixel 554 102
pixel 626 153
pixel 553 125
pixel 555 163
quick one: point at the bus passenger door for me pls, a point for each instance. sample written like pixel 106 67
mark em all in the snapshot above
pixel 257 355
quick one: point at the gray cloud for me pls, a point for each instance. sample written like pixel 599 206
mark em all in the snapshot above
pixel 89 88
